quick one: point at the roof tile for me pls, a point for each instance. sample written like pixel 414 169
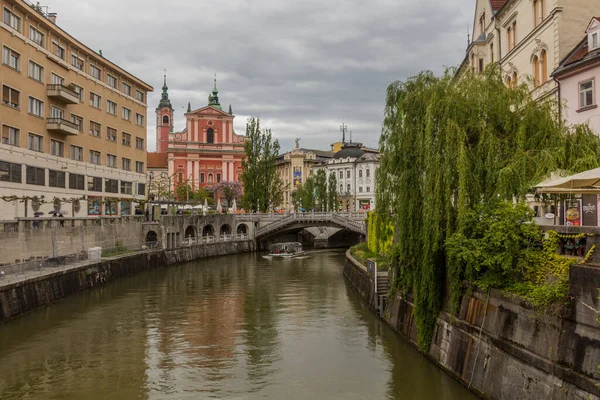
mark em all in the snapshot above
pixel 157 160
pixel 497 4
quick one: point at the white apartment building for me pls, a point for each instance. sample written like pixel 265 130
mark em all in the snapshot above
pixel 355 171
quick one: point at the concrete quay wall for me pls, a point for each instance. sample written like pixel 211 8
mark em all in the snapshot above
pixel 20 297
pixel 499 348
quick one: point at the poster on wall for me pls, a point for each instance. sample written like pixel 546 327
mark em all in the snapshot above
pixel 94 204
pixel 573 212
pixel 297 177
pixel 365 205
pixel 589 210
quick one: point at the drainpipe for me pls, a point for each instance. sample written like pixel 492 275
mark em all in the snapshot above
pixel 559 100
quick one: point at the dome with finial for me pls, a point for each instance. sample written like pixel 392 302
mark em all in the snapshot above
pixel 164 98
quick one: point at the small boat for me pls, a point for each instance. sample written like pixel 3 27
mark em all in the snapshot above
pixel 286 250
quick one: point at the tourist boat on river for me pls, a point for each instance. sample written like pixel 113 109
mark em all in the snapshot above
pixel 286 250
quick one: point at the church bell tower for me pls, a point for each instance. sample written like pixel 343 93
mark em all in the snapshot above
pixel 164 119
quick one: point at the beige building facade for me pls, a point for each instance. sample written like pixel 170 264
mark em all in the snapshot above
pixel 294 167
pixel 73 123
pixel 528 38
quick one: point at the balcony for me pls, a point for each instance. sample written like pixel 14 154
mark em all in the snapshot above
pixel 62 94
pixel 62 126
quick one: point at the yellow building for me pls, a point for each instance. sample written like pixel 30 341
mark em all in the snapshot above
pixel 73 123
pixel 295 167
pixel 527 38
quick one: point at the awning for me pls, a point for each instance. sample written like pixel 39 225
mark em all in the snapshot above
pixel 587 182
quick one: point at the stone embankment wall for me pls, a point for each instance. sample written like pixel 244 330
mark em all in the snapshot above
pixel 26 241
pixel 500 349
pixel 21 297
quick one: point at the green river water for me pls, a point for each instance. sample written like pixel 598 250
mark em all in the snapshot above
pixel 234 327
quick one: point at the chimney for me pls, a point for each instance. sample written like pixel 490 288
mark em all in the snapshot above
pixel 52 18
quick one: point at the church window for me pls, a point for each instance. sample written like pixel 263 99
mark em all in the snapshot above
pixel 348 188
pixel 218 178
pixel 202 178
pixel 166 120
pixel 210 135
pixel 360 173
pixel 368 172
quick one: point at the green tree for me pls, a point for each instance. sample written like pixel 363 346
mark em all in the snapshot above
pixel 308 194
pixel 229 191
pixel 449 146
pixel 199 195
pixel 321 189
pixel 263 188
pixel 332 193
pixel 184 191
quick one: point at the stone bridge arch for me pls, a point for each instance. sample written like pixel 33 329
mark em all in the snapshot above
pixel 208 230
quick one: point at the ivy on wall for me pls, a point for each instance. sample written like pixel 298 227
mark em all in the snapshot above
pixel 448 146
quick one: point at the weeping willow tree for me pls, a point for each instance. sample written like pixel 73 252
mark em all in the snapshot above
pixel 448 146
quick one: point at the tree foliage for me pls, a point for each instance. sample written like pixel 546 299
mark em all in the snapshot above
pixel 321 189
pixel 263 188
pixel 305 194
pixel 449 146
pixel 332 193
pixel 229 191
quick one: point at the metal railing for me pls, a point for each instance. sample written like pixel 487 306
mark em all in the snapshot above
pixel 58 86
pixel 341 219
pixel 60 121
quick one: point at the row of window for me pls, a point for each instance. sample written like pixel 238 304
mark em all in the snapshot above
pixel 11 172
pixel 77 61
pixel 36 72
pixel 11 135
pixel 349 189
pixel 360 173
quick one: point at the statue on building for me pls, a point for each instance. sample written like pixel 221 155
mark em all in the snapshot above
pixel 297 143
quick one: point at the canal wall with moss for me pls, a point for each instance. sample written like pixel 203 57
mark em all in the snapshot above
pixel 502 349
pixel 20 297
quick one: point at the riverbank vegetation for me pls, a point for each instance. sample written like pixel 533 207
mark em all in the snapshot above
pixel 455 156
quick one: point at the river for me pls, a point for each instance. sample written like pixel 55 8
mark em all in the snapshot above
pixel 235 327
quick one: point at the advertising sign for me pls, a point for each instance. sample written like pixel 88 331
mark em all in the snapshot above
pixel 364 204
pixel 573 212
pixel 94 204
pixel 590 210
pixel 297 176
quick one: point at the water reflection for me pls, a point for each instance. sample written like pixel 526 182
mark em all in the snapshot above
pixel 230 327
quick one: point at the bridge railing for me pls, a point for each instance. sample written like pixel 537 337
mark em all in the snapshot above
pixel 339 218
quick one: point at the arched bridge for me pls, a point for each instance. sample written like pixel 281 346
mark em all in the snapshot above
pixel 349 221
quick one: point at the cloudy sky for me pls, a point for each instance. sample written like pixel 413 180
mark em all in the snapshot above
pixel 302 66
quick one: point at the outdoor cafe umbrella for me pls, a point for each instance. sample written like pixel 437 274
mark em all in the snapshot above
pixel 234 207
pixel 38 214
pixel 583 182
pixel 205 209
pixel 219 208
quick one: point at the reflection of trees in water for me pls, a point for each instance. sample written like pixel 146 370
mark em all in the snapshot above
pixel 412 375
pixel 90 340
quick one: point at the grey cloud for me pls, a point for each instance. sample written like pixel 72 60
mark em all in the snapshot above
pixel 302 66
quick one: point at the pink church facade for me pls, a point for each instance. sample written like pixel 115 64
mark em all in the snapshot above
pixel 207 151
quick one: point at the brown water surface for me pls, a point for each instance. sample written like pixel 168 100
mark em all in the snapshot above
pixel 235 327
